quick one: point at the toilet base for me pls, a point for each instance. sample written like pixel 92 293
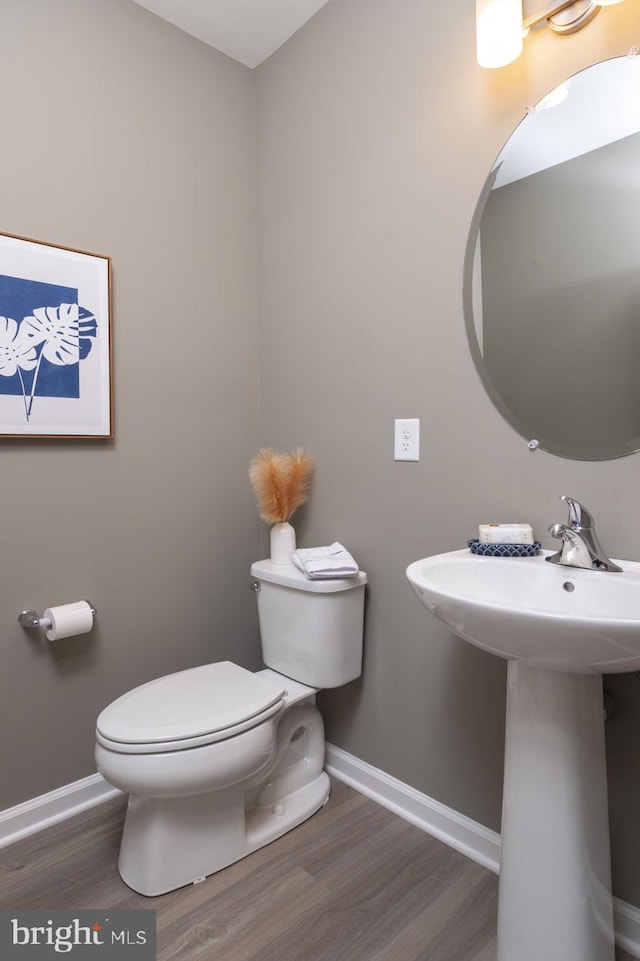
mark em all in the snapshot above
pixel 168 842
pixel 265 825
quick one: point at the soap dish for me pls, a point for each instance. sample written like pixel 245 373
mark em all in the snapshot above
pixel 504 550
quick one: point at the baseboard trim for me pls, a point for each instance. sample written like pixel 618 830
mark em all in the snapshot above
pixel 626 923
pixel 459 832
pixel 47 809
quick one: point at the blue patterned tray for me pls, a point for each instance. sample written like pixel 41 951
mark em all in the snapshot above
pixel 504 550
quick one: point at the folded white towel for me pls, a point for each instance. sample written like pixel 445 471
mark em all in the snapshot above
pixel 325 562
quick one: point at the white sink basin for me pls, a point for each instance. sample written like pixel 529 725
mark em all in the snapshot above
pixel 560 628
pixel 546 615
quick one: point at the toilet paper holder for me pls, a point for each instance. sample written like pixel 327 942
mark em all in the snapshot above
pixel 31 619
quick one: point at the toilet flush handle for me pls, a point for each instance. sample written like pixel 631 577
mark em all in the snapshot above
pixel 254 586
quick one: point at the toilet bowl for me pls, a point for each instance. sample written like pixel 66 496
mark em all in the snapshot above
pixel 217 760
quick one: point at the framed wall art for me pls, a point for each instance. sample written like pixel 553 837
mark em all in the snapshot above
pixel 55 341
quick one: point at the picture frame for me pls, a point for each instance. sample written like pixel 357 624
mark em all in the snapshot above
pixel 56 367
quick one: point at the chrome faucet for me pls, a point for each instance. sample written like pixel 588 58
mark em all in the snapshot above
pixel 580 545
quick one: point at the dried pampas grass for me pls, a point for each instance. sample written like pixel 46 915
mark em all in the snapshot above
pixel 281 482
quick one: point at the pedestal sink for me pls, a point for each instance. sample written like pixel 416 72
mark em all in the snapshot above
pixel 560 628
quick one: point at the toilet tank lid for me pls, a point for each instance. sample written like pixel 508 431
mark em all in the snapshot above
pixel 289 576
pixel 191 703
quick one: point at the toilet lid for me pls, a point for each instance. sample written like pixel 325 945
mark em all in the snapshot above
pixel 200 701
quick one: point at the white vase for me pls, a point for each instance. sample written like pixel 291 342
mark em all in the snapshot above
pixel 283 543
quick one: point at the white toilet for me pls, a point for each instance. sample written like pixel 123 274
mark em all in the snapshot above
pixel 219 761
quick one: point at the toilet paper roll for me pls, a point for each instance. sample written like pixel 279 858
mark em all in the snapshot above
pixel 68 619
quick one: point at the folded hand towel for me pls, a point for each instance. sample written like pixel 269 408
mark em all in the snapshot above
pixel 325 562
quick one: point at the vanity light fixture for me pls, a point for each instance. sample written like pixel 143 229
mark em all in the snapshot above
pixel 501 27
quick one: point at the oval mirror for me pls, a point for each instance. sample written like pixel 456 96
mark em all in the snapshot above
pixel 552 270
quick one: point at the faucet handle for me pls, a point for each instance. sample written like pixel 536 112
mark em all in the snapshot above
pixel 579 516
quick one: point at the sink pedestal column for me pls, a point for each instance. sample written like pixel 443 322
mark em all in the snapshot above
pixel 555 876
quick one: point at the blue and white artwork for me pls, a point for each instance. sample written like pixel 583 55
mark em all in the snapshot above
pixel 44 336
pixel 55 364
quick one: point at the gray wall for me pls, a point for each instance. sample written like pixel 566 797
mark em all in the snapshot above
pixel 376 130
pixel 123 136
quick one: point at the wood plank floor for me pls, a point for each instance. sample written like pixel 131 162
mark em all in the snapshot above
pixel 354 883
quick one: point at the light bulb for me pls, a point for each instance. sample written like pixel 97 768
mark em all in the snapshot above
pixel 498 31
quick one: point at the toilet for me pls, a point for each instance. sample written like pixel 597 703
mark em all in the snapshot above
pixel 219 761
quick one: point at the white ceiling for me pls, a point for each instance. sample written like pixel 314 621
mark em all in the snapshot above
pixel 247 30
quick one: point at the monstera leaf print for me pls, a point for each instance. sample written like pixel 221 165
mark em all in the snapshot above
pixel 60 329
pixel 59 335
pixel 16 352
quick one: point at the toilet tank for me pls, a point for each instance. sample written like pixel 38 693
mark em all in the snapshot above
pixel 310 630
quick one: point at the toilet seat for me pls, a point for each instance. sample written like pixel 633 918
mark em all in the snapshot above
pixel 188 709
